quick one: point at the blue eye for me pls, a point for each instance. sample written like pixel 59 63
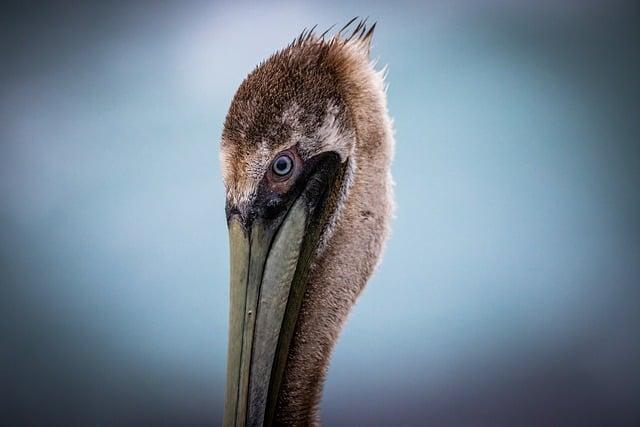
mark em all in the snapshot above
pixel 282 165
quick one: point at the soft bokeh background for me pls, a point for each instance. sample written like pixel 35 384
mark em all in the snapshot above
pixel 509 293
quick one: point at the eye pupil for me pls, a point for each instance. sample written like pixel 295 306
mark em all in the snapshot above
pixel 282 165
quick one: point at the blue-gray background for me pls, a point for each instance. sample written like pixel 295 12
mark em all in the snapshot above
pixel 509 292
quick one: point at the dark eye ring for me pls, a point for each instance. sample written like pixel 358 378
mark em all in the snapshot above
pixel 282 165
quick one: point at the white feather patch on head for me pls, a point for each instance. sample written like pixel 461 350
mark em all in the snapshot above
pixel 241 187
pixel 330 136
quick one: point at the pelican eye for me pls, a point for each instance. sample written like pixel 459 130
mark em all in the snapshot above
pixel 282 165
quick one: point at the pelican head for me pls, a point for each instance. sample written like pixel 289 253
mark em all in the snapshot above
pixel 305 152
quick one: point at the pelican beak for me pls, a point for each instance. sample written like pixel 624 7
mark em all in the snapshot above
pixel 269 264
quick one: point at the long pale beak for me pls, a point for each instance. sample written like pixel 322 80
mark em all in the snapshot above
pixel 267 267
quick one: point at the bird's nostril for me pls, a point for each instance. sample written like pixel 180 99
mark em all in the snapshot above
pixel 243 217
pixel 231 211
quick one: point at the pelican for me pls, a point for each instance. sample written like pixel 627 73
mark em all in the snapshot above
pixel 306 150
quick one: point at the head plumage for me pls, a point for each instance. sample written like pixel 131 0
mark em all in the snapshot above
pixel 360 35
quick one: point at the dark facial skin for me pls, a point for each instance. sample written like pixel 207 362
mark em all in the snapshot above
pixel 277 193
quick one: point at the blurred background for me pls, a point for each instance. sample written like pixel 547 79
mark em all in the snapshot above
pixel 509 293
